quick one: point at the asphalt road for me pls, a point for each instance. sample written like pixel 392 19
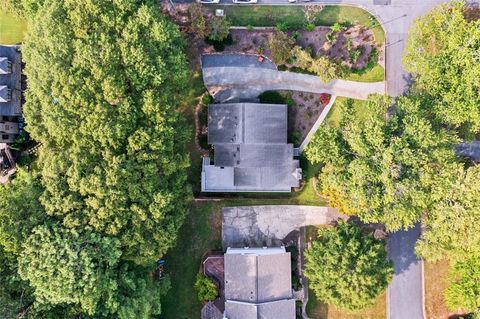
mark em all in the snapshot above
pixel 405 293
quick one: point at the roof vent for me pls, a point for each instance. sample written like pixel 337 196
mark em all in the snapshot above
pixel 5 66
pixel 5 94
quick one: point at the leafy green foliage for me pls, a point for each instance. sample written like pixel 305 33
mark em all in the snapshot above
pixel 464 292
pixel 20 211
pixel 69 267
pixel 199 25
pixel 383 167
pixel 320 66
pixel 103 102
pixel 346 268
pixel 281 45
pixel 452 227
pixel 442 52
pixel 219 28
pixel 206 288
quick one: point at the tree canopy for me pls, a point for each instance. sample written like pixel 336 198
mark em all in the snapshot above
pixel 346 268
pixel 442 53
pixel 105 78
pixel 382 166
pixel 81 232
pixel 70 267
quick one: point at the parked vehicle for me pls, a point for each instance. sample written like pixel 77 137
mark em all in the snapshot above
pixel 208 1
pixel 245 1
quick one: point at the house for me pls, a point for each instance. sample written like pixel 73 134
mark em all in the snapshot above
pixel 10 92
pixel 258 284
pixel 251 153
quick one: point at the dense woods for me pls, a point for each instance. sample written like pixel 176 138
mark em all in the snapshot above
pixel 108 191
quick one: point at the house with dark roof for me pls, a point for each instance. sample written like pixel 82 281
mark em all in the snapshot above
pixel 251 153
pixel 10 92
pixel 258 284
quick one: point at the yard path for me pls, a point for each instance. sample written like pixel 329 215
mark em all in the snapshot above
pixel 317 124
pixel 228 83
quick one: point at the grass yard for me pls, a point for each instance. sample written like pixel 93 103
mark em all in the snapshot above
pixel 335 115
pixel 377 74
pixel 294 17
pixel 12 30
pixel 319 310
pixel 436 281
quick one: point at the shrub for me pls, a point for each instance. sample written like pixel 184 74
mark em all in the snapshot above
pixel 337 27
pixel 282 26
pixel 199 25
pixel 296 35
pixel 355 54
pixel 249 28
pixel 272 97
pixel 206 288
pixel 309 27
pixel 219 29
pixel 281 46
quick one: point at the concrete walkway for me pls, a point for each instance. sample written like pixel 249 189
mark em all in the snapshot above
pixel 247 83
pixel 317 124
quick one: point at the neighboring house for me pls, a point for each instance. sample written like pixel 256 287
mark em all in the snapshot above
pixel 258 284
pixel 10 106
pixel 251 149
pixel 10 92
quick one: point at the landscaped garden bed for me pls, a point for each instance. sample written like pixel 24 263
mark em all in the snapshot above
pixel 303 110
pixel 349 47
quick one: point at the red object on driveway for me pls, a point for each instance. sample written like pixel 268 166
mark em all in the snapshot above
pixel 261 58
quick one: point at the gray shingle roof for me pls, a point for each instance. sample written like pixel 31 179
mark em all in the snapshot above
pixel 252 139
pixel 258 284
pixel 282 309
pixel 12 80
pixel 257 278
pixel 247 123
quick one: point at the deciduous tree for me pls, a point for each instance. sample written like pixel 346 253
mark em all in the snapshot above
pixel 105 79
pixel 346 268
pixel 442 53
pixel 382 166
pixel 71 267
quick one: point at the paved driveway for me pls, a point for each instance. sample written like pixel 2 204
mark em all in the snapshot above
pixel 239 60
pixel 259 226
pixel 248 82
pixel 405 293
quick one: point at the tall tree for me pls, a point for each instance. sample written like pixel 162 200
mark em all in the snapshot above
pixel 452 228
pixel 464 292
pixel 346 268
pixel 382 166
pixel 442 53
pixel 105 78
pixel 20 210
pixel 70 267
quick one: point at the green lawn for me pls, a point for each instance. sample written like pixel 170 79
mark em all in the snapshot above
pixel 294 17
pixel 336 112
pixel 12 30
pixel 376 74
